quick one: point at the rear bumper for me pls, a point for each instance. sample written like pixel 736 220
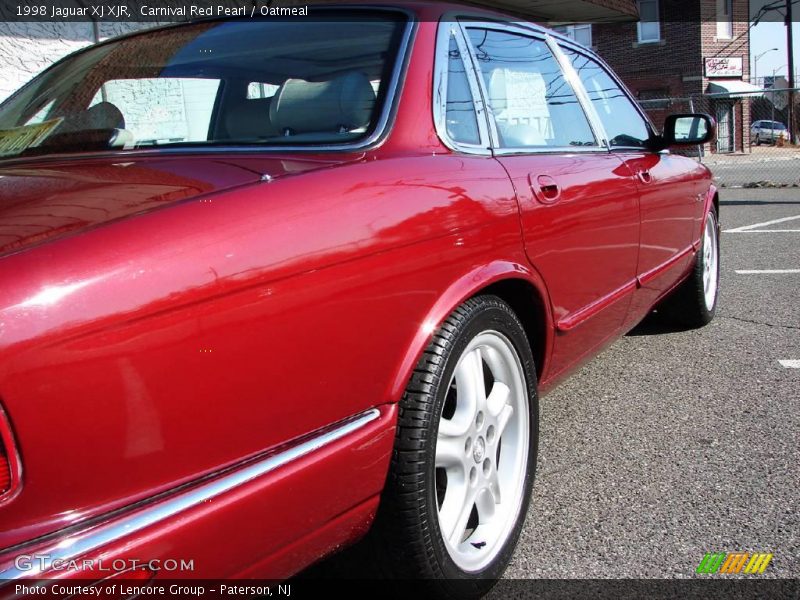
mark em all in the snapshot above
pixel 770 137
pixel 309 497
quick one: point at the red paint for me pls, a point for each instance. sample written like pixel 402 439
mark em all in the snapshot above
pixel 165 317
pixel 584 245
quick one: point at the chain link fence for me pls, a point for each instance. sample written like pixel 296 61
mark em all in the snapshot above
pixel 753 147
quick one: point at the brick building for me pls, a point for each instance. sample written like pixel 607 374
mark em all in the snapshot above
pixel 695 52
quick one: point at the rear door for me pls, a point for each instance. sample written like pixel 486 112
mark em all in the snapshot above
pixel 579 204
pixel 670 195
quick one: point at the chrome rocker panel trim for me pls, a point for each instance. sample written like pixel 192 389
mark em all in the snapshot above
pixel 80 543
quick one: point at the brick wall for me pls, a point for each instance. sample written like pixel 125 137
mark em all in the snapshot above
pixel 674 65
pixel 27 49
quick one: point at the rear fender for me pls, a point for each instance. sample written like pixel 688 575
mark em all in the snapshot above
pixel 457 292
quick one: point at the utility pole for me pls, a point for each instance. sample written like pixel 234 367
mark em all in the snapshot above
pixel 790 50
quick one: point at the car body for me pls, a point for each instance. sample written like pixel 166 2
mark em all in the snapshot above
pixel 203 347
pixel 768 131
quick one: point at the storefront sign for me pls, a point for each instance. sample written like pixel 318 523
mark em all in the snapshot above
pixel 729 66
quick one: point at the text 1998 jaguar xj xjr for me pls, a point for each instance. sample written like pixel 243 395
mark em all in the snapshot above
pixel 269 287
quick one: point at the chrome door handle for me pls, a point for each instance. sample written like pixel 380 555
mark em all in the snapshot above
pixel 545 188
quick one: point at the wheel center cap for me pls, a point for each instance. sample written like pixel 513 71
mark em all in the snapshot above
pixel 478 450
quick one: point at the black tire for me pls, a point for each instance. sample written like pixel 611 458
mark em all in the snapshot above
pixel 687 305
pixel 758 140
pixel 405 540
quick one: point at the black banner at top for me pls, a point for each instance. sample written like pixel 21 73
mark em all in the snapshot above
pixel 174 11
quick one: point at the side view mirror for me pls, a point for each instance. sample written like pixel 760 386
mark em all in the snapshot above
pixel 687 130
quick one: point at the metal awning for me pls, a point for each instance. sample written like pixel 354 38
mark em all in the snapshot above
pixel 567 11
pixel 734 88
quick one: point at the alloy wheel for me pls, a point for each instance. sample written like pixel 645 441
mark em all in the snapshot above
pixel 710 262
pixel 482 451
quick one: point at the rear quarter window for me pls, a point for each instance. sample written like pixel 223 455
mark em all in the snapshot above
pixel 163 110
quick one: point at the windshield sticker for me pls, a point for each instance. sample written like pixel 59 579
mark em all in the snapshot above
pixel 17 140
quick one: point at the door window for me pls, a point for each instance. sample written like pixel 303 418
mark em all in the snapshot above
pixel 623 123
pixel 460 116
pixel 531 102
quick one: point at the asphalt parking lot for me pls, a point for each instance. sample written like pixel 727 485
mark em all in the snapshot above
pixel 672 444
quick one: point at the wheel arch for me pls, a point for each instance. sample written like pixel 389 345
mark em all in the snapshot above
pixel 712 201
pixel 528 304
pixel 516 284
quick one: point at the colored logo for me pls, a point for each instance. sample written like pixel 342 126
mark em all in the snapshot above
pixel 734 562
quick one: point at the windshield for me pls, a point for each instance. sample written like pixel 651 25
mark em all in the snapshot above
pixel 322 80
pixel 774 125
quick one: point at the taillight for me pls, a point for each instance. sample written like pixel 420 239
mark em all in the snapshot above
pixel 9 459
pixel 5 472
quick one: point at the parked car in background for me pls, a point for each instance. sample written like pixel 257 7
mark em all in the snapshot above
pixel 272 287
pixel 768 132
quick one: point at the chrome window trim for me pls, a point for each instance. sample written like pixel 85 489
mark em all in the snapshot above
pixel 577 48
pixel 551 150
pixel 463 25
pixel 542 35
pixel 91 538
pixel 378 135
pixel 574 80
pixel 448 28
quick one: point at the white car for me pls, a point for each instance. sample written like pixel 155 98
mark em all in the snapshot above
pixel 768 131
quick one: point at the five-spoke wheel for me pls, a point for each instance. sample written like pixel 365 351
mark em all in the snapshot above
pixel 482 450
pixel 465 454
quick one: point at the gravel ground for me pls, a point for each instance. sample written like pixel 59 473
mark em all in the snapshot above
pixel 767 164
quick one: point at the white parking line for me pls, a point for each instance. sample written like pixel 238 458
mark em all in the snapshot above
pixel 790 364
pixel 767 271
pixel 748 228
pixel 765 231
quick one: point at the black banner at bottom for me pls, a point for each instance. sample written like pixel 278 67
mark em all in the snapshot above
pixel 300 588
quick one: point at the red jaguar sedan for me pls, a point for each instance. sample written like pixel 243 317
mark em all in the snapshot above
pixel 271 287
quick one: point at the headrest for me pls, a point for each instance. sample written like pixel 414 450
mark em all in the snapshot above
pixel 341 104
pixel 250 119
pixel 103 115
pixel 498 92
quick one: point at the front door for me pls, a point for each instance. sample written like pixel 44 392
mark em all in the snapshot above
pixel 725 127
pixel 579 204
pixel 668 185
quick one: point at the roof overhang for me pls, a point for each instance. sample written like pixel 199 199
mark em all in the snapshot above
pixel 734 88
pixel 567 11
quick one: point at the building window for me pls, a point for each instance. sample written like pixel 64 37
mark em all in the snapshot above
pixel 649 26
pixel 724 19
pixel 580 33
